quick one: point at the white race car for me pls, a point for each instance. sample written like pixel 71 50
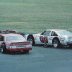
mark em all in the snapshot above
pixel 54 37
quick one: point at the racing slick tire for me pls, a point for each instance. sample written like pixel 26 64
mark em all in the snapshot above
pixel 45 45
pixel 45 42
pixel 56 43
pixel 31 39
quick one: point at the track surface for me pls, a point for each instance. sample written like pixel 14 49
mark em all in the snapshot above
pixel 39 60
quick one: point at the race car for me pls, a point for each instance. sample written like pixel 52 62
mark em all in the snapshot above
pixel 54 37
pixel 14 43
pixel 11 31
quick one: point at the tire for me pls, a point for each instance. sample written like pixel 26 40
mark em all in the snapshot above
pixel 45 42
pixel 27 52
pixel 45 45
pixel 56 43
pixel 31 39
pixel 3 48
pixel 70 46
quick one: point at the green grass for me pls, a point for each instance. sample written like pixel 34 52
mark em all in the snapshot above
pixel 35 15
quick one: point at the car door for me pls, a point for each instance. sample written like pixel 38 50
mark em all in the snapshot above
pixel 53 34
pixel 38 38
pixel 45 34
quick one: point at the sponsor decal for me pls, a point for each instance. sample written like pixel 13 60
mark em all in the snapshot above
pixel 43 39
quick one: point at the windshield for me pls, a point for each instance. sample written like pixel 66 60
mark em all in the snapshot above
pixel 65 32
pixel 15 38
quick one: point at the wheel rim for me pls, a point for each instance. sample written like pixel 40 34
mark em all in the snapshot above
pixel 2 50
pixel 55 44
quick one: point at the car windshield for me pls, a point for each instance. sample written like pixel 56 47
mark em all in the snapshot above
pixel 15 38
pixel 65 32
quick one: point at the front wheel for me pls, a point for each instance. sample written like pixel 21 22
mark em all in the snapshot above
pixel 3 48
pixel 56 43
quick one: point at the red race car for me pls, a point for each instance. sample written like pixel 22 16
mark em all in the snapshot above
pixel 14 43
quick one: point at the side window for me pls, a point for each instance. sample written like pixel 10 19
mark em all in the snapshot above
pixel 47 33
pixel 53 34
pixel 43 33
pixel 1 38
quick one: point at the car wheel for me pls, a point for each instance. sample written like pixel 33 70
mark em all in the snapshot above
pixel 27 52
pixel 45 45
pixel 31 40
pixel 3 48
pixel 45 42
pixel 70 46
pixel 55 43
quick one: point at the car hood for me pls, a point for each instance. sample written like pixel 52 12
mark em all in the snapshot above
pixel 17 42
pixel 67 35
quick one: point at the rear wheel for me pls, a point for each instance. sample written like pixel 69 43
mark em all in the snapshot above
pixel 70 46
pixel 45 45
pixel 56 43
pixel 45 41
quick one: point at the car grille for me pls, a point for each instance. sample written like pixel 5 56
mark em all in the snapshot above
pixel 20 45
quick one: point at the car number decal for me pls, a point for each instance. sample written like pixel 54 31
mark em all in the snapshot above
pixel 43 39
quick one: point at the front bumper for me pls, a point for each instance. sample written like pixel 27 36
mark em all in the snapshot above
pixel 18 49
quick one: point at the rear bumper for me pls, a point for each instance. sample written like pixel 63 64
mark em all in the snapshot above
pixel 18 49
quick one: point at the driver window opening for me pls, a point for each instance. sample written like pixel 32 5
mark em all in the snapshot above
pixel 47 33
pixel 53 34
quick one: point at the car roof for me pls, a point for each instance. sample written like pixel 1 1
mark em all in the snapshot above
pixel 55 30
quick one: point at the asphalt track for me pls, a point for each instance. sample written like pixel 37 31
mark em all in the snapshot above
pixel 39 60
